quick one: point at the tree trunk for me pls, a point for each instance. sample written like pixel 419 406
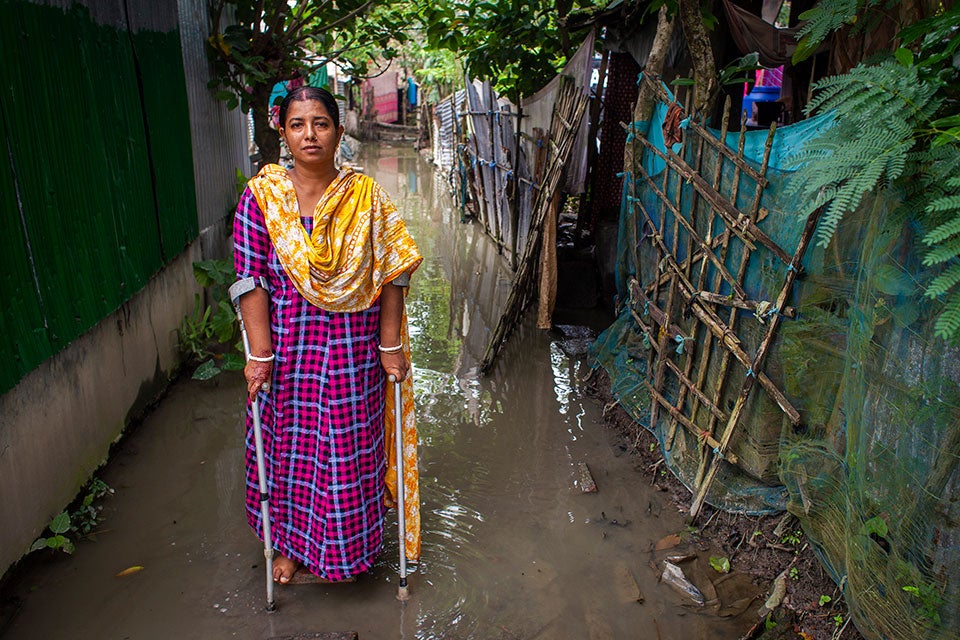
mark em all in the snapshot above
pixel 655 63
pixel 701 53
pixel 266 138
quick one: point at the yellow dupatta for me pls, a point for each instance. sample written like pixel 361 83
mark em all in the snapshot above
pixel 359 243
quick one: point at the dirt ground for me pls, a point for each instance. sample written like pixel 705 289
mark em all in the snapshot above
pixel 764 547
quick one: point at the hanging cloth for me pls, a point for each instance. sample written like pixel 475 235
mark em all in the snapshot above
pixel 751 33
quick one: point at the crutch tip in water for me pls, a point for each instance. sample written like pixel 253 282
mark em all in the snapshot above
pixel 323 260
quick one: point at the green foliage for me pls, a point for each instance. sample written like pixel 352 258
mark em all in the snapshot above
pixel 81 521
pixel 720 564
pixel 824 599
pixel 209 338
pixel 928 599
pixel 518 44
pixel 272 40
pixel 831 15
pixel 894 128
pixel 792 537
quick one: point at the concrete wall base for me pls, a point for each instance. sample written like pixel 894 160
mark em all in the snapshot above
pixel 58 423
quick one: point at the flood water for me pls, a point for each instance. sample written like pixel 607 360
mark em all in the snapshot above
pixel 512 549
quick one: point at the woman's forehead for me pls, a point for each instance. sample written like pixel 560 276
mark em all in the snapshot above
pixel 307 109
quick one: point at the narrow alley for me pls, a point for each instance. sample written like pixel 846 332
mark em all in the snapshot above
pixel 513 549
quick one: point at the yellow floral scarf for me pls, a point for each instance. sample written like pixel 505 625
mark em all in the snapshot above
pixel 359 243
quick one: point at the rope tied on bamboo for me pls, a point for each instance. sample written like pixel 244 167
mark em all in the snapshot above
pixel 681 341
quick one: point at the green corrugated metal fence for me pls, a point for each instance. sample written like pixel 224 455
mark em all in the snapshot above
pixel 96 182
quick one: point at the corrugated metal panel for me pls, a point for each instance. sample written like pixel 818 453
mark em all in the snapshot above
pixel 219 136
pixel 445 137
pixel 85 206
pixel 156 47
pixel 23 335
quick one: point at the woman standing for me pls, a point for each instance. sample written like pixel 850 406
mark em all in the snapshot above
pixel 331 257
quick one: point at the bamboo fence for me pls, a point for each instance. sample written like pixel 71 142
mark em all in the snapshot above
pixel 701 273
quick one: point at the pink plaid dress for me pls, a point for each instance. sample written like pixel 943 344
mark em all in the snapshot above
pixel 323 420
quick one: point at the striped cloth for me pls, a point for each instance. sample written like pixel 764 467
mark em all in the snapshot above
pixel 323 420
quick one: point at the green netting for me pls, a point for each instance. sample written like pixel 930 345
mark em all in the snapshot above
pixel 871 471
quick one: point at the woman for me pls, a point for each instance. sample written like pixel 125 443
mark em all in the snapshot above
pixel 334 256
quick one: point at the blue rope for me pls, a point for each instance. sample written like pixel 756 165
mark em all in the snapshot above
pixel 751 373
pixel 717 452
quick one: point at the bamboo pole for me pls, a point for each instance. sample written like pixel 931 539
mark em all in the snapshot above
pixel 748 380
pixel 732 318
pixel 725 360
pixel 707 342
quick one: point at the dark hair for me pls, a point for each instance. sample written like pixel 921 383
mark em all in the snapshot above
pixel 304 94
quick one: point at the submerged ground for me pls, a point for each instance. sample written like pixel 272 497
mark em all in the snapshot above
pixel 513 549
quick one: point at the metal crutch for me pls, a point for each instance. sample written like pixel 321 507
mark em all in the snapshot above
pixel 238 289
pixel 403 593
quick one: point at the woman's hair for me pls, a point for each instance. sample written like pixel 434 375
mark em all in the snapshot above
pixel 304 94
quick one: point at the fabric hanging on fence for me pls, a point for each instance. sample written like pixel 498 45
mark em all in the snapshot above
pixel 380 96
pixel 752 33
pixel 548 266
pixel 538 110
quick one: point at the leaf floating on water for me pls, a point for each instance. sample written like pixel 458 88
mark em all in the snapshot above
pixel 667 542
pixel 129 571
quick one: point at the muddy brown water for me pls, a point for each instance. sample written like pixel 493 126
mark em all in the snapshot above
pixel 512 549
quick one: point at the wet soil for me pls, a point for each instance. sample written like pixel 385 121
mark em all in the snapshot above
pixel 765 547
pixel 512 547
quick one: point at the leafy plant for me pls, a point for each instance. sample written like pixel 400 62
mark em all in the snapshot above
pixel 895 128
pixel 81 521
pixel 824 599
pixel 838 619
pixel 792 537
pixel 794 573
pixel 720 564
pixel 209 337
pixel 929 599
pixel 58 527
pixel 87 515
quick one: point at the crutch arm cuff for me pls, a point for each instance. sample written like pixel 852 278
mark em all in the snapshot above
pixel 246 285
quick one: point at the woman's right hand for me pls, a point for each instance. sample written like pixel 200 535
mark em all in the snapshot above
pixel 258 377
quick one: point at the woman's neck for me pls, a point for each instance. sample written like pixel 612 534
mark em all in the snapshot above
pixel 314 176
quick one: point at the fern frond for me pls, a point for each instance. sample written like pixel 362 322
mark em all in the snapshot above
pixel 943 282
pixel 942 252
pixel 946 203
pixel 948 322
pixel 944 231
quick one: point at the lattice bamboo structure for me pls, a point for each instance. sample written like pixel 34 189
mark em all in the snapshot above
pixel 690 310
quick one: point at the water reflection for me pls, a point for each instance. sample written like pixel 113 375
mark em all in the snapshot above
pixel 506 532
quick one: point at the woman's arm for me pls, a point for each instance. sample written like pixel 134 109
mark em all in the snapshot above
pixel 391 315
pixel 254 306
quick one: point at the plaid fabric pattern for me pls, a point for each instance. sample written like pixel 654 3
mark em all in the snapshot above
pixel 323 420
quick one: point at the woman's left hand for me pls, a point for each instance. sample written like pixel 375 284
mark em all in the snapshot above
pixel 395 364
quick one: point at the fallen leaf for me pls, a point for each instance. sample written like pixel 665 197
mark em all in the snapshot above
pixel 129 571
pixel 667 542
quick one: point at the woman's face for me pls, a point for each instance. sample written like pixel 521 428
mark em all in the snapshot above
pixel 309 132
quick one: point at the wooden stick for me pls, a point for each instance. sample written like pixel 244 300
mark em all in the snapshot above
pixel 748 380
pixel 747 305
pixel 696 237
pixel 732 344
pixel 725 360
pixel 741 272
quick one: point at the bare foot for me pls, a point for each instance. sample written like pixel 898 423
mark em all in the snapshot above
pixel 283 569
